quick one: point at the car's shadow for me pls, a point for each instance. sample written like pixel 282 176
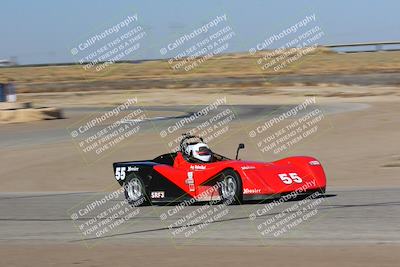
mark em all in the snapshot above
pixel 298 198
pixel 248 202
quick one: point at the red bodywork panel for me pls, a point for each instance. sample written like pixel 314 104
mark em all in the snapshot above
pixel 258 178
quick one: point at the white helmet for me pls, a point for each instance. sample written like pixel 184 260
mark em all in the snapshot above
pixel 199 151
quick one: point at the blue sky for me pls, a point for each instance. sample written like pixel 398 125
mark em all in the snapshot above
pixel 44 31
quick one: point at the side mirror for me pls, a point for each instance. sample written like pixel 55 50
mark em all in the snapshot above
pixel 241 146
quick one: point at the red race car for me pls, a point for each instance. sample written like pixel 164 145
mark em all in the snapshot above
pixel 195 173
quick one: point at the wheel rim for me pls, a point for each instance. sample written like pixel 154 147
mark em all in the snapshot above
pixel 228 187
pixel 134 189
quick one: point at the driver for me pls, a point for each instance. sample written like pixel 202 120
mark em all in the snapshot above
pixel 199 152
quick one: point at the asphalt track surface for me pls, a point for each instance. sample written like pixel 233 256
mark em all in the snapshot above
pixel 342 215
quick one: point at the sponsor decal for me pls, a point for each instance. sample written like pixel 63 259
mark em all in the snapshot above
pixel 133 169
pixel 190 181
pixel 198 167
pixel 314 163
pixel 248 167
pixel 251 191
pixel 157 194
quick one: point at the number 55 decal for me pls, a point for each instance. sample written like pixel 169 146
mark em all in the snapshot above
pixel 120 173
pixel 290 178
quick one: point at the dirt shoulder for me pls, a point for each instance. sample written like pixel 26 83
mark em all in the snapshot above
pixel 134 255
pixel 201 96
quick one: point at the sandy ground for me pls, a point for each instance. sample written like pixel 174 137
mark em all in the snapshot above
pixel 131 255
pixel 262 96
pixel 357 148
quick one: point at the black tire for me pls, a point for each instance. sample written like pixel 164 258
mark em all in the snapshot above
pixel 230 189
pixel 135 191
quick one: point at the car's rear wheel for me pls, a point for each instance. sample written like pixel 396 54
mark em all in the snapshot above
pixel 231 187
pixel 135 192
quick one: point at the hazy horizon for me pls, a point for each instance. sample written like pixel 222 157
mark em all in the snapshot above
pixel 46 31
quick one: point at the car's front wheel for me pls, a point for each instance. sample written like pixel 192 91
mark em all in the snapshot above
pixel 231 187
pixel 135 192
